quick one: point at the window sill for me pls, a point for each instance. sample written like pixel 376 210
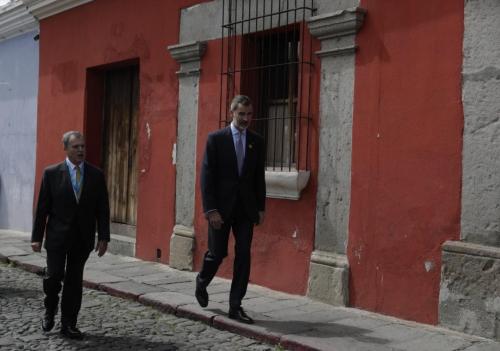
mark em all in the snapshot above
pixel 286 185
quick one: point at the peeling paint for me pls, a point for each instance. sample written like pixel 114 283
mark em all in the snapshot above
pixel 357 253
pixel 429 265
pixel 174 154
pixel 148 130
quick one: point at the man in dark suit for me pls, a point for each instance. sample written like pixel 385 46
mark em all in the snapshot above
pixel 73 198
pixel 234 191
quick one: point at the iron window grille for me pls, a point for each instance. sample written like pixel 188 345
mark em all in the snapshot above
pixel 267 55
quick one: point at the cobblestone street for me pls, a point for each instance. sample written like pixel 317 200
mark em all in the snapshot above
pixel 109 323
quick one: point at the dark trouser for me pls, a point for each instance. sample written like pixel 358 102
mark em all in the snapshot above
pixel 217 250
pixel 67 266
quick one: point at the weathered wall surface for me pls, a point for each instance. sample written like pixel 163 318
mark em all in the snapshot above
pixel 281 247
pixel 470 286
pixel 109 32
pixel 481 100
pixel 406 165
pixel 469 298
pixel 18 108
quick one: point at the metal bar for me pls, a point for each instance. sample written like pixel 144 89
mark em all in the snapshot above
pixel 235 35
pixel 278 73
pixel 270 118
pixel 249 14
pixel 264 16
pixel 299 132
pixel 289 88
pixel 283 73
pixel 274 90
pixel 309 102
pixel 263 90
pixel 270 66
pixel 222 64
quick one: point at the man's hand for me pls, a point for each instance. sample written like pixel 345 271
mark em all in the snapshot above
pixel 215 219
pixel 36 246
pixel 261 217
pixel 101 247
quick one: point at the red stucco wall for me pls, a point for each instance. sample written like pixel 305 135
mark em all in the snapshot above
pixel 406 163
pixel 113 31
pixel 282 247
pixel 105 32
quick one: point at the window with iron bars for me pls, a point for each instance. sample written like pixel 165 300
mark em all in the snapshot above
pixel 267 55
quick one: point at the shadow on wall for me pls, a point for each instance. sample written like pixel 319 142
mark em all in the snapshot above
pixel 3 207
pixel 4 218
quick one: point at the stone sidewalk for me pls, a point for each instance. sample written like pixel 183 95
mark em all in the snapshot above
pixel 294 322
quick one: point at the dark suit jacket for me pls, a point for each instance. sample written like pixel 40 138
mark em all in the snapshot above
pixel 62 218
pixel 220 182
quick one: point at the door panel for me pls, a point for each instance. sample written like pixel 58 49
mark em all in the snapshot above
pixel 120 142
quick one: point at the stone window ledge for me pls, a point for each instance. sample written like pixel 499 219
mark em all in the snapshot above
pixel 472 249
pixel 286 185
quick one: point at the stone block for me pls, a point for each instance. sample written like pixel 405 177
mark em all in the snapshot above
pixel 140 269
pixel 122 245
pixel 166 301
pixel 97 277
pixel 12 251
pixel 128 289
pixel 205 315
pixel 181 248
pixel 469 299
pixel 328 279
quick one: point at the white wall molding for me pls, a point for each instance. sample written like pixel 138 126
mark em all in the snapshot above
pixel 329 268
pixel 41 9
pixel 338 23
pixel 286 185
pixel 16 20
pixel 22 16
pixel 188 55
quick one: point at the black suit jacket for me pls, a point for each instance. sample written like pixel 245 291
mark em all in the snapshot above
pixel 62 218
pixel 220 182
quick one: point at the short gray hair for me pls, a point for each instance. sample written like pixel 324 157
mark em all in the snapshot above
pixel 68 135
pixel 240 99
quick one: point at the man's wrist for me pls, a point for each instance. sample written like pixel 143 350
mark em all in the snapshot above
pixel 210 211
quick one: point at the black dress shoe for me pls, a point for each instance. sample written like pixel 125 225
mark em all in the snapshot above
pixel 202 296
pixel 48 322
pixel 240 315
pixel 71 332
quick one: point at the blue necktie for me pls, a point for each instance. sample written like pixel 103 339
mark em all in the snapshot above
pixel 78 182
pixel 240 156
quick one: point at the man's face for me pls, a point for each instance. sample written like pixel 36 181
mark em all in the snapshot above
pixel 76 150
pixel 242 116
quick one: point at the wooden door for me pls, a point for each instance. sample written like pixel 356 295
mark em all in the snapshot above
pixel 121 108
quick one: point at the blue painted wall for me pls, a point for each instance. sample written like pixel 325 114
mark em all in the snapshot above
pixel 18 109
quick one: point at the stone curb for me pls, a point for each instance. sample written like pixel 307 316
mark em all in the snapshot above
pixel 33 268
pixel 162 307
pixel 248 330
pixel 293 345
pixel 117 292
pixel 182 310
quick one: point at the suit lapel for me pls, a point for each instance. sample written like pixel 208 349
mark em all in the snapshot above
pixel 249 150
pixel 230 146
pixel 66 180
pixel 86 177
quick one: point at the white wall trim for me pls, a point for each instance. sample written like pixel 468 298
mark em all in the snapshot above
pixel 15 20
pixel 41 9
pixel 286 185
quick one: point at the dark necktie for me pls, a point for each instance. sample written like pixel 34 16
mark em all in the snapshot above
pixel 78 182
pixel 240 156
